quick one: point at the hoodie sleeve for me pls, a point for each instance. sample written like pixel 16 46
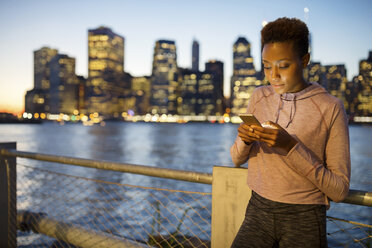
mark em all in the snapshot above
pixel 239 151
pixel 333 176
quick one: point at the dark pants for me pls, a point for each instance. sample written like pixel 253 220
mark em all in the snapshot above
pixel 274 224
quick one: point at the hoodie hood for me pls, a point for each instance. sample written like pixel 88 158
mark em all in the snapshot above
pixel 311 90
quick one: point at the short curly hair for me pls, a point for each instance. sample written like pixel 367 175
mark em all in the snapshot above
pixel 287 29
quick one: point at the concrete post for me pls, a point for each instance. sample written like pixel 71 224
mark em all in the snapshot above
pixel 8 198
pixel 230 196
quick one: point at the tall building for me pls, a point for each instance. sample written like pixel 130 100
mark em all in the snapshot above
pixel 244 79
pixel 141 88
pixel 42 58
pixel 363 83
pixel 206 101
pixel 336 80
pixel 215 69
pixel 164 78
pixel 106 52
pixel 195 56
pixel 351 97
pixel 242 59
pixel 201 93
pixel 188 84
pixel 315 72
pixel 82 91
pixel 64 86
pixel 124 99
pixel 35 101
pixel 105 71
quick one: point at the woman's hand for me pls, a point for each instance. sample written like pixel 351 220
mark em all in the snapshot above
pixel 246 133
pixel 274 136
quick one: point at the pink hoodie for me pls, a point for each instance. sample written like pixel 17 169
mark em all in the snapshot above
pixel 318 167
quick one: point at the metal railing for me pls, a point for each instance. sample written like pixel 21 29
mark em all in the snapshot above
pixel 189 176
pixel 160 212
pixel 357 197
pixel 69 233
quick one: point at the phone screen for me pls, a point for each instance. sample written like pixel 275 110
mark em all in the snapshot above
pixel 249 119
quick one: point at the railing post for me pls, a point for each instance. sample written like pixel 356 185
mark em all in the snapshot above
pixel 8 198
pixel 230 196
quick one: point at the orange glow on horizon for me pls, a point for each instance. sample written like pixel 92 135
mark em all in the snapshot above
pixel 12 110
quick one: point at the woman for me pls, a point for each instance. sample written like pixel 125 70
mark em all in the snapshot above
pixel 302 159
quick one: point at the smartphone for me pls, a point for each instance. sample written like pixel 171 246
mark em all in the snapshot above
pixel 250 119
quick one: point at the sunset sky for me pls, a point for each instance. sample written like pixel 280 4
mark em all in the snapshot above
pixel 341 33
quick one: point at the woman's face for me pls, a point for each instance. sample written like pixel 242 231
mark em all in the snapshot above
pixel 283 67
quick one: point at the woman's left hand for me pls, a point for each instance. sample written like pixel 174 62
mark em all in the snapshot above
pixel 275 136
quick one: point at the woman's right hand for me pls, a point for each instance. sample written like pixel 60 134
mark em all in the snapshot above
pixel 246 133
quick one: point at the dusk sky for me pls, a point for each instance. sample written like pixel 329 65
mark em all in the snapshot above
pixel 341 33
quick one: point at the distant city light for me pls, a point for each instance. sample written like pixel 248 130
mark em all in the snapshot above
pixel 363 119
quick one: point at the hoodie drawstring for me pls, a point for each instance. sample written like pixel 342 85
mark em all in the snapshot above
pixel 280 106
pixel 292 111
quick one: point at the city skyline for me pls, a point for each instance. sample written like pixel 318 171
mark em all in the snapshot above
pixel 216 41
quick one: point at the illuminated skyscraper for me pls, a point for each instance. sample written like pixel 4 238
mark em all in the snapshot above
pixel 315 72
pixel 195 56
pixel 336 80
pixel 35 101
pixel 244 79
pixel 201 93
pixel 365 68
pixel 351 97
pixel 82 90
pixel 63 85
pixel 141 89
pixel 164 78
pixel 363 82
pixel 206 102
pixel 105 68
pixel 215 69
pixel 188 81
pixel 242 59
pixel 42 58
pixel 106 52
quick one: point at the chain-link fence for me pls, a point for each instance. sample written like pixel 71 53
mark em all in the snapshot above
pixel 345 233
pixel 57 209
pixel 146 215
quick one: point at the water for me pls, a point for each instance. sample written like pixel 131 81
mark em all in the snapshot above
pixel 193 146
